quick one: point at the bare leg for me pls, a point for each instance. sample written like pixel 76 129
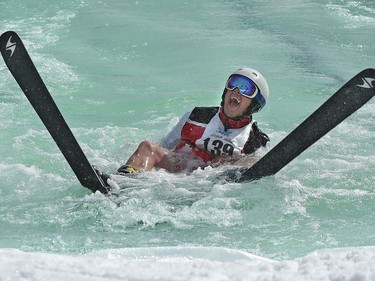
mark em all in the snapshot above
pixel 149 155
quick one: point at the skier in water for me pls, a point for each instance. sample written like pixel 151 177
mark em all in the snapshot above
pixel 210 135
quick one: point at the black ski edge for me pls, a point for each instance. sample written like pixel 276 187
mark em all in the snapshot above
pixel 348 99
pixel 25 73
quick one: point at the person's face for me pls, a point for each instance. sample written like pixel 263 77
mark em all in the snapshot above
pixel 235 104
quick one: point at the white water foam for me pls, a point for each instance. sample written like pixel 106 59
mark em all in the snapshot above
pixel 186 263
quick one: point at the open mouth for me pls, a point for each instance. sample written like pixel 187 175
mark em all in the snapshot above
pixel 234 101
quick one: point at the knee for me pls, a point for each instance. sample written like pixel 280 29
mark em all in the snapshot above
pixel 146 145
pixel 150 149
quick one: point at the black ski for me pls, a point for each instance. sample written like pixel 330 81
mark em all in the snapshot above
pixel 353 95
pixel 22 68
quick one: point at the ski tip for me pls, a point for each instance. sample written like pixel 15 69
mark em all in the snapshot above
pixel 368 71
pixel 8 43
pixel 7 34
pixel 367 79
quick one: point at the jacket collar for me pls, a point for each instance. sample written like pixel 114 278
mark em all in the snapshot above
pixel 233 123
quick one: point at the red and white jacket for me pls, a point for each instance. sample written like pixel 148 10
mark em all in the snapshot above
pixel 210 134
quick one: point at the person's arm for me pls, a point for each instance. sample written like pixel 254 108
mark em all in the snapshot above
pixel 257 140
pixel 174 136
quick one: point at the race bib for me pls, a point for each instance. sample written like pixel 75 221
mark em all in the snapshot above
pixel 218 146
pixel 219 142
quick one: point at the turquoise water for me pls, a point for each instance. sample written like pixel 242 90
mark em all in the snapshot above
pixel 125 71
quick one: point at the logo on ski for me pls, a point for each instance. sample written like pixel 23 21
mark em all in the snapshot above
pixel 367 83
pixel 10 46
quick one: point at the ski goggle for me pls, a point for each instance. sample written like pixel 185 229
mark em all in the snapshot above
pixel 244 85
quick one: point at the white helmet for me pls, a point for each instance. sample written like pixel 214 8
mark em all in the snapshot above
pixel 263 93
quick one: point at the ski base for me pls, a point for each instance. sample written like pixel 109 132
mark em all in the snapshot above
pixel 23 70
pixel 347 100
